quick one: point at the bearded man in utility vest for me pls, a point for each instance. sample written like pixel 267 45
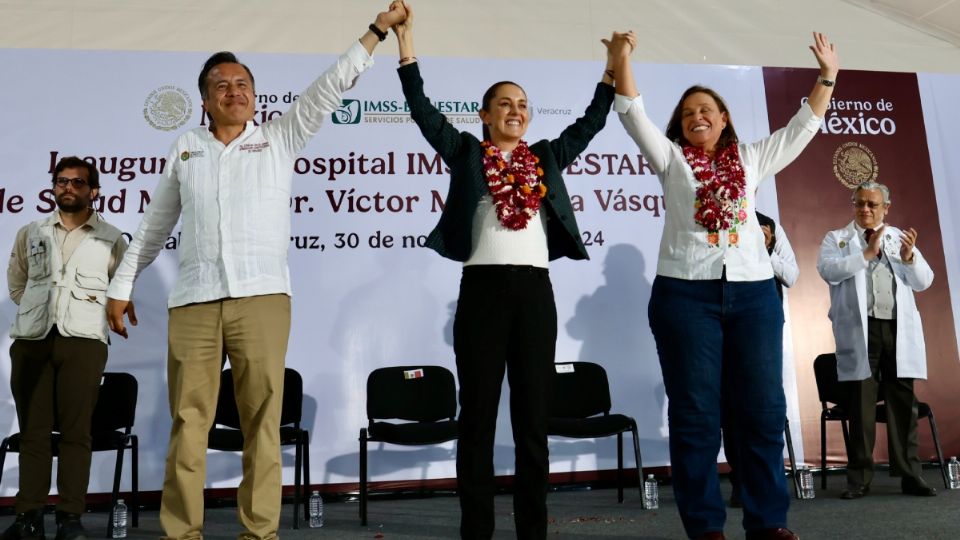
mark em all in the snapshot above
pixel 58 274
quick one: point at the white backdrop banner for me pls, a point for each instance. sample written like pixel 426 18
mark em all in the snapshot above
pixel 366 192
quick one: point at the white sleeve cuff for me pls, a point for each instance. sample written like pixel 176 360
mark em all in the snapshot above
pixel 622 103
pixel 119 289
pixel 359 56
pixel 810 121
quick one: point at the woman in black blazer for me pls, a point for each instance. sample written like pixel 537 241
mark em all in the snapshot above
pixel 507 214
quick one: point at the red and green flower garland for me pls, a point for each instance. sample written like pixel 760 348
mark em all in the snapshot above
pixel 516 188
pixel 721 195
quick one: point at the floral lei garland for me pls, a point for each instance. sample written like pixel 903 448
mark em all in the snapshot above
pixel 516 188
pixel 721 195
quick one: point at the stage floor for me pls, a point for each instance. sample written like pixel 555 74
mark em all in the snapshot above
pixel 589 514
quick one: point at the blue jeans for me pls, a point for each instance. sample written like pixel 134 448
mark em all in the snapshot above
pixel 721 343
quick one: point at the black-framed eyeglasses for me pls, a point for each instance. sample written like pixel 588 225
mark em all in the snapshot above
pixel 77 183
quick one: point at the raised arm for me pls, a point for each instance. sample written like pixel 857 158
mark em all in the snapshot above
pixel 772 154
pixel 436 129
pixel 826 54
pixel 619 47
pixel 385 20
pixel 305 117
pixel 629 104
pixel 404 32
pixel 577 136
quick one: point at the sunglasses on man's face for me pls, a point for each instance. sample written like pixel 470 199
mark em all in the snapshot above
pixel 77 183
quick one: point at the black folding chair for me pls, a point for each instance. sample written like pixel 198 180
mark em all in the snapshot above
pixel 580 409
pixel 424 397
pixel 831 391
pixel 111 429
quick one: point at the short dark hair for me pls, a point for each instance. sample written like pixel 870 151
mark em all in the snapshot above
pixel 73 162
pixel 675 127
pixel 222 57
pixel 488 97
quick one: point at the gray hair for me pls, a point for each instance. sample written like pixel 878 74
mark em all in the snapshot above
pixel 870 184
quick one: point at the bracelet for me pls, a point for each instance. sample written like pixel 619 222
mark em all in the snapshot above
pixel 408 58
pixel 609 73
pixel 826 82
pixel 381 35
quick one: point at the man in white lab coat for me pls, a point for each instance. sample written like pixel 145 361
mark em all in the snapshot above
pixel 873 270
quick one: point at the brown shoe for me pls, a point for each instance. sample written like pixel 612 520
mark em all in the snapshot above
pixel 772 534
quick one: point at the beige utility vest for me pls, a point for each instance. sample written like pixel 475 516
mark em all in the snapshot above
pixel 78 289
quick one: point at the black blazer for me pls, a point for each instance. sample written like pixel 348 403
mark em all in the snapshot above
pixel 461 151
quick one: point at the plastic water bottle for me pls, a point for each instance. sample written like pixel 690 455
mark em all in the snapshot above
pixel 953 473
pixel 119 516
pixel 316 510
pixel 651 493
pixel 806 483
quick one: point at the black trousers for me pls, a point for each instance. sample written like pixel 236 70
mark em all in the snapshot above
pixel 55 380
pixel 901 403
pixel 506 321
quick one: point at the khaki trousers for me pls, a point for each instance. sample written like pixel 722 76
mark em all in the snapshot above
pixel 253 332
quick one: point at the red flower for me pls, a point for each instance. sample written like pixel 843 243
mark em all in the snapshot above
pixel 722 184
pixel 514 207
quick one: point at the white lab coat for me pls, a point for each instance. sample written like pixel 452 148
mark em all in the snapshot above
pixel 842 266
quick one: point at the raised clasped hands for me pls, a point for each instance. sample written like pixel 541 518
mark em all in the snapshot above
pixel 826 54
pixel 620 44
pixel 395 14
pixel 406 23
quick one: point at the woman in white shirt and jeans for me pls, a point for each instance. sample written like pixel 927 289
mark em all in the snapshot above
pixel 714 306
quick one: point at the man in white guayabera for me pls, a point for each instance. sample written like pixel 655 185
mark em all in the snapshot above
pixel 230 185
